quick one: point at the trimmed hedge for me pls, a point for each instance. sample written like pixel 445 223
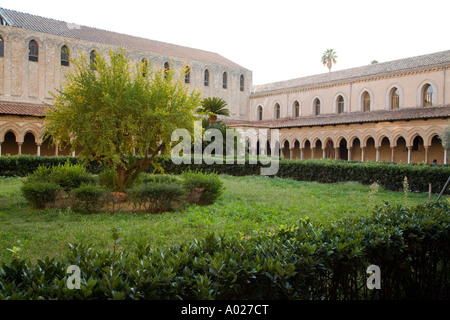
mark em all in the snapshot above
pixel 388 175
pixel 307 261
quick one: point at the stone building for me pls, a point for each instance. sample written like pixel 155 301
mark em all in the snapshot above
pixel 394 111
pixel 34 59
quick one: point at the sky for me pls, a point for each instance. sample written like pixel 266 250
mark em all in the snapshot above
pixel 278 39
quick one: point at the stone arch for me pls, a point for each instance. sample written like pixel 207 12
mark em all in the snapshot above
pixel 336 102
pixel 307 150
pixel 260 112
pixel 420 92
pixel 385 150
pixel 401 149
pixel 361 97
pixel 435 150
pixel 30 142
pixel 313 105
pixel 388 97
pixel 10 143
pixel 294 107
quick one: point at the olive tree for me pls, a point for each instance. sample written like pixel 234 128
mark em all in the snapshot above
pixel 119 113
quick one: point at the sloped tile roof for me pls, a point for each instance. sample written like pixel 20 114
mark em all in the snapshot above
pixel 349 118
pixel 67 30
pixel 379 69
pixel 22 109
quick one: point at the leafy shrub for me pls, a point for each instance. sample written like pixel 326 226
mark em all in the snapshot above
pixel 71 176
pixel 90 198
pixel 156 197
pixel 201 188
pixel 40 193
pixel 159 178
pixel 301 262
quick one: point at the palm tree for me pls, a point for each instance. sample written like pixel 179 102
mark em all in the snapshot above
pixel 329 58
pixel 214 107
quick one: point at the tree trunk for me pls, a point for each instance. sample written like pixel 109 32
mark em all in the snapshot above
pixel 212 120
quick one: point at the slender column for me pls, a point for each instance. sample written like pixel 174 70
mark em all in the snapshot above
pixel 0 149
pixel 378 154
pixel 445 156
pixel 409 155
pixel 362 153
pixel 312 152
pixel 426 154
pixel 324 153
pixel 282 152
pixel 56 150
pixel 302 155
pixel 392 154
pixel 291 153
pixel 336 153
pixel 349 152
pixel 20 147
pixel 38 149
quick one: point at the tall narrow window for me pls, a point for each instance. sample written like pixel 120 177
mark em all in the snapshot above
pixel 206 78
pixel 260 113
pixel 427 95
pixel 166 69
pixel 187 75
pixel 395 99
pixel 65 56
pixel 317 107
pixel 296 109
pixel 34 51
pixel 340 104
pixel 277 111
pixel 241 83
pixel 93 59
pixel 366 102
pixel 224 80
pixel 2 48
pixel 144 67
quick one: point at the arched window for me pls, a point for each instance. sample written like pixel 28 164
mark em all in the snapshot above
pixel 93 59
pixel 340 104
pixel 296 109
pixel 2 48
pixel 427 95
pixel 224 80
pixel 34 51
pixel 316 107
pixel 260 113
pixel 277 111
pixel 241 83
pixel 65 56
pixel 206 78
pixel 166 69
pixel 395 98
pixel 144 67
pixel 366 101
pixel 187 75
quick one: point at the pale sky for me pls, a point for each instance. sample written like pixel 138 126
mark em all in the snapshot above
pixel 278 39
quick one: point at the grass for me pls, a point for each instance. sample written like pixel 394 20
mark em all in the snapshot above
pixel 247 204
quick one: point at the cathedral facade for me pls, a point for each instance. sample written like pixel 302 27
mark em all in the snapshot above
pixel 394 111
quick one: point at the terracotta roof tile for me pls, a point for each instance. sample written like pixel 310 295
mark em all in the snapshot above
pixel 22 109
pixel 349 118
pixel 378 69
pixel 63 29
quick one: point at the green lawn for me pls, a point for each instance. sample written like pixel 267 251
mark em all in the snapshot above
pixel 247 204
